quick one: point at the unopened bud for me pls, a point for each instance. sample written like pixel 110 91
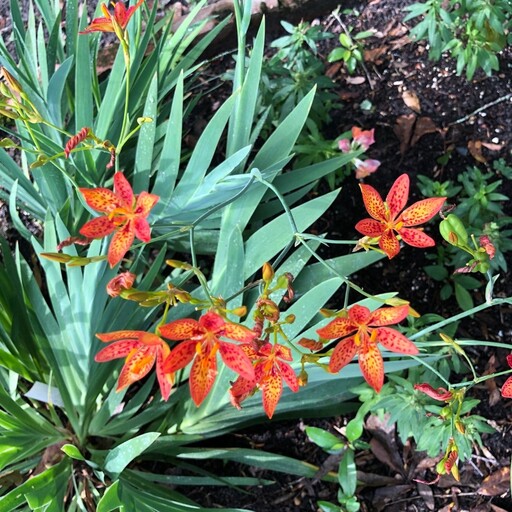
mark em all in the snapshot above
pixel 268 272
pixel 239 312
pixel 56 256
pixel 290 319
pixel 14 85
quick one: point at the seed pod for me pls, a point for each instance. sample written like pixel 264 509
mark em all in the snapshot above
pixel 453 231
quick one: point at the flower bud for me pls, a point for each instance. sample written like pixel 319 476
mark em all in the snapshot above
pixel 123 281
pixel 268 272
pixel 290 319
pixel 239 312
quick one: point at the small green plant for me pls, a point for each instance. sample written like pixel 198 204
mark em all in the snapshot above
pixel 351 49
pixel 473 32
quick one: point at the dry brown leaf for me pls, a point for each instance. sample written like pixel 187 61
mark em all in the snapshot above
pixel 412 101
pixel 423 126
pixel 333 69
pixel 475 148
pixel 496 483
pixel 491 146
pixel 403 129
pixel 398 43
pixel 355 80
pixel 373 54
pixel 425 491
pixel 495 508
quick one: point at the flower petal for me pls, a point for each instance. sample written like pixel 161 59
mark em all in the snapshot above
pixel 236 359
pixel 372 366
pixel 180 356
pixel 165 379
pixel 398 195
pixel 99 25
pixel 389 243
pixel 240 390
pixel 117 350
pixel 388 316
pixel 420 212
pixel 359 315
pixel 337 328
pixel 202 376
pixel 123 190
pixel 142 229
pixel 506 390
pixel 101 199
pixel 182 329
pixel 373 202
pixel 395 341
pixel 97 228
pixel 289 376
pixel 120 244
pixel 238 332
pixel 137 366
pixel 145 202
pixel 123 15
pixel 343 353
pixel 416 238
pixel 370 227
pixel 509 360
pixel 272 390
pixel 119 335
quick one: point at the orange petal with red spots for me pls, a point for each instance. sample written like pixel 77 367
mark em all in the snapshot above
pixel 389 244
pixel 142 229
pixel 145 202
pixel 337 328
pixel 165 380
pixel 137 366
pixel 420 212
pixel 238 332
pixel 123 190
pixel 372 366
pixel 148 338
pixel 120 244
pixel 416 238
pixel 235 358
pixel 289 376
pixel 359 315
pixel 116 350
pixel 272 390
pixel 98 228
pixel 395 341
pixel 180 356
pixel 101 199
pixel 240 390
pixel 506 390
pixel 212 322
pixel 373 202
pixel 389 316
pixel 343 353
pixel 202 376
pixel 182 329
pixel 370 227
pixel 283 352
pixel 119 335
pixel 398 195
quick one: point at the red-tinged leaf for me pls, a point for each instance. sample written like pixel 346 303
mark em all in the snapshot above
pixel 98 227
pixel 416 238
pixel 422 211
pixel 123 190
pixel 235 358
pixel 389 316
pixel 120 244
pixel 119 335
pixel 395 341
pixel 202 377
pixel 182 329
pixel 372 366
pixel 116 350
pixel 272 390
pixel 180 356
pixel 359 315
pixel 389 244
pixel 238 332
pixel 165 380
pixel 137 366
pixel 337 328
pixel 101 199
pixel 398 195
pixel 373 202
pixel 370 227
pixel 142 229
pixel 506 390
pixel 145 203
pixel 343 353
pixel 289 376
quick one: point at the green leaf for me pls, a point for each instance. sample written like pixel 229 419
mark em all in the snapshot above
pixel 120 456
pixel 327 441
pixel 463 297
pixel 72 451
pixel 347 473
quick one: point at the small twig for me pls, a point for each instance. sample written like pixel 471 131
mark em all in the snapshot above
pixel 483 107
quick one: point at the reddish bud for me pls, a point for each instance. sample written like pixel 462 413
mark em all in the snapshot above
pixel 123 281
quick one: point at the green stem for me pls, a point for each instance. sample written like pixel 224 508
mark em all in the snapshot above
pixel 431 368
pixel 124 128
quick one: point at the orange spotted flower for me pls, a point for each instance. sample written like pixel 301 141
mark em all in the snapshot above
pixel 506 390
pixel 387 220
pixel 270 369
pixel 362 330
pixel 141 349
pixel 201 342
pixel 113 22
pixel 124 212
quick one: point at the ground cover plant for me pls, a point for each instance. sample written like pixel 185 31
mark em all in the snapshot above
pixel 201 270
